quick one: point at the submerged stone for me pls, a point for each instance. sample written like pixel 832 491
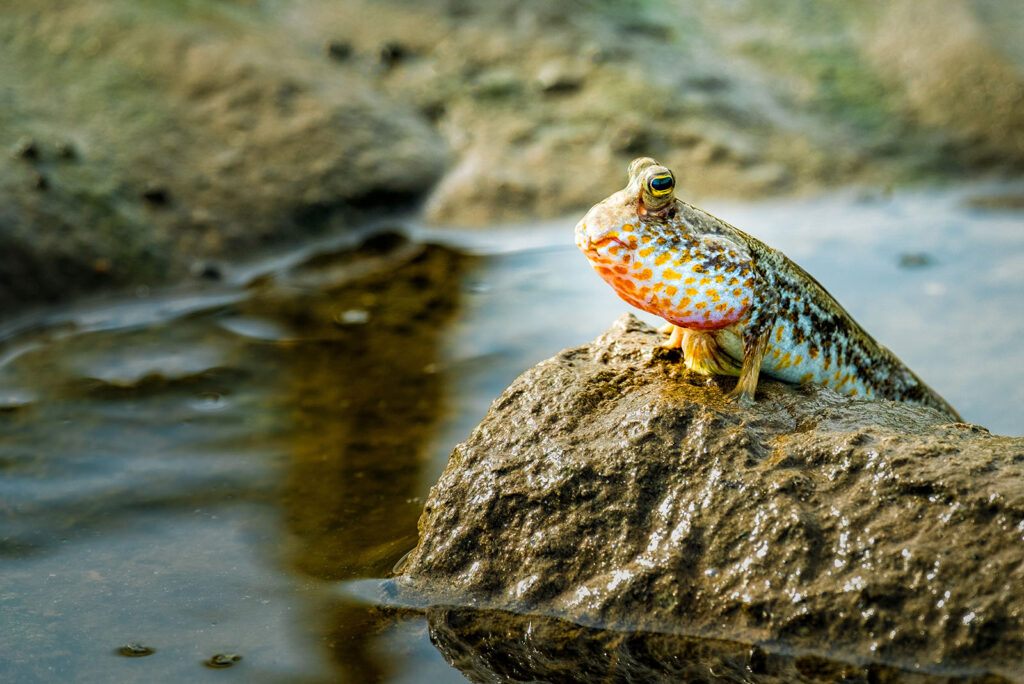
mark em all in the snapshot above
pixel 611 487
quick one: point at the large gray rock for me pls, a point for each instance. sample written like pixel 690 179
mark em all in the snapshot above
pixel 611 487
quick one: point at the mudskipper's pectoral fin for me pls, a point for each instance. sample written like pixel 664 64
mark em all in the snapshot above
pixel 753 354
pixel 703 355
pixel 675 335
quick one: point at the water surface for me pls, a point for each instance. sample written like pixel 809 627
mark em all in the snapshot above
pixel 201 471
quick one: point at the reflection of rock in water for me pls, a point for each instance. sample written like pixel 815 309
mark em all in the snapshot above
pixel 363 397
pixel 497 646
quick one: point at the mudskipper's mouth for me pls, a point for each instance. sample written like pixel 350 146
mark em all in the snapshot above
pixel 601 242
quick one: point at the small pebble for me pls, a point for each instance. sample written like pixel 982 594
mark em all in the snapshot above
pixel 757 660
pixel 391 53
pixel 383 241
pixel 628 137
pixel 555 77
pixel 66 151
pixel 497 83
pixel 708 83
pixel 207 270
pixel 221 660
pixel 26 148
pixel 339 50
pixel 156 195
pixel 135 650
pixel 915 260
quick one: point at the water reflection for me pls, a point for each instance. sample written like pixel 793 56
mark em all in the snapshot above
pixel 188 482
pixel 362 397
pixel 361 400
pixel 496 646
pixel 191 471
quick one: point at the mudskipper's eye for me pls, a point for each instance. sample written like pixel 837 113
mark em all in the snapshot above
pixel 661 184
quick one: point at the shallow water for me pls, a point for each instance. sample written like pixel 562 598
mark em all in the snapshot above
pixel 199 472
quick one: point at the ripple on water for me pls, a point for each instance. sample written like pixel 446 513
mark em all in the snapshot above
pixel 256 328
pixel 124 368
pixel 209 401
pixel 15 399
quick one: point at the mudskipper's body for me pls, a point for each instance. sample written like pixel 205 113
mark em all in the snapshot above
pixel 735 305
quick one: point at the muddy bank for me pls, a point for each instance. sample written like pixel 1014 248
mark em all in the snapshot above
pixel 609 487
pixel 143 140
pixel 543 106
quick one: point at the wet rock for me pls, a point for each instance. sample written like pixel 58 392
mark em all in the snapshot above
pixel 610 487
pixel 497 83
pixel 383 241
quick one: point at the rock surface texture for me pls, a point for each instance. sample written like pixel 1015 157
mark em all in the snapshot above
pixel 610 487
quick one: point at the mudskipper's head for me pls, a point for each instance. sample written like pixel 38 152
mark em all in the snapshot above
pixel 649 195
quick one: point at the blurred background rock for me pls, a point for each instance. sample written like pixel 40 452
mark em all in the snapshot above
pixel 145 138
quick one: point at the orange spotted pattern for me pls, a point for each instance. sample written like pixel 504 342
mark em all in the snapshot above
pixel 693 283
